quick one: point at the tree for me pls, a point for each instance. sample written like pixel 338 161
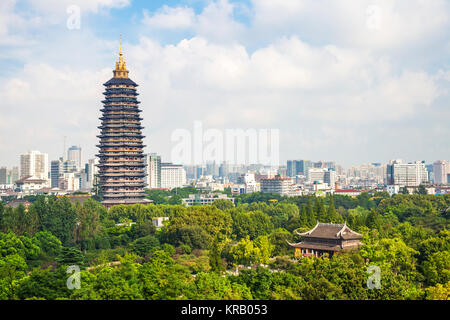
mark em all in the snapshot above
pixel 439 292
pixel 278 239
pixel 437 268
pixel 310 214
pixel 71 256
pixel 321 212
pixel 20 220
pixel 403 190
pixel 215 257
pixel 332 215
pixel 12 268
pixel 243 252
pixel 213 286
pixel 57 216
pixel 303 216
pixel 223 204
pixel 421 190
pixel 44 284
pixel 145 245
pixel 88 217
pixel 48 243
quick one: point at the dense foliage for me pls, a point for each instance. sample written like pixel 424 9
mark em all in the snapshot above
pixel 224 251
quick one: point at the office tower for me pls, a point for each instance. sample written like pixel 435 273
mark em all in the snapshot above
pixel 34 164
pixel 290 168
pixel 200 171
pixel 12 175
pixel 74 154
pixel 3 175
pixel 298 167
pixel 224 169
pixel 212 169
pixel 316 175
pixel 329 178
pixel 121 163
pixel 56 171
pixel 91 171
pixel 441 168
pixel 406 174
pixel 172 176
pixel 69 166
pixel 153 170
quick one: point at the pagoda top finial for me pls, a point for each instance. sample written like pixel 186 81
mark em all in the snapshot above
pixel 121 68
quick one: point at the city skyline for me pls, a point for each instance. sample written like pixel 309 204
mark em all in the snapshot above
pixel 346 91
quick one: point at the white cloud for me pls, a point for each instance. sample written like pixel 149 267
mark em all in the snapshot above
pixel 60 6
pixel 375 24
pixel 170 18
pixel 216 21
pixel 342 96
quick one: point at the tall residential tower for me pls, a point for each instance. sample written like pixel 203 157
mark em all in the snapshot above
pixel 121 163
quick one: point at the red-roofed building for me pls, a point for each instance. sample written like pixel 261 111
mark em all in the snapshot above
pixel 348 192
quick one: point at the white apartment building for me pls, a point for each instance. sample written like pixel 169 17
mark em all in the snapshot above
pixel 316 175
pixel 406 174
pixel 30 185
pixel 248 179
pixel 276 185
pixel 70 181
pixel 153 170
pixel 201 199
pixel 92 171
pixel 441 170
pixel 172 176
pixel 34 164
pixel 322 175
pixel 74 154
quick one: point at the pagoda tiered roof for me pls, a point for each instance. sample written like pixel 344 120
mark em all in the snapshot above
pixel 121 129
pixel 119 81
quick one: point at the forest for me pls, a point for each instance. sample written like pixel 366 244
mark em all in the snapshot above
pixel 223 251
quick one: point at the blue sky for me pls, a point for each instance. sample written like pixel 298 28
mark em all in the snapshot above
pixel 355 82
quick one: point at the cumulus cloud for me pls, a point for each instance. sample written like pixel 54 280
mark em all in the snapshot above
pixel 170 18
pixel 336 83
pixel 60 6
pixel 375 24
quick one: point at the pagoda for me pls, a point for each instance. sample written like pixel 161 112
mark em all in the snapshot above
pixel 326 238
pixel 121 158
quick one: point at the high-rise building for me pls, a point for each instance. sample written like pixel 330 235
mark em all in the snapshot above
pixel 406 174
pixel 298 167
pixel 172 176
pixel 330 178
pixel 224 169
pixel 3 175
pixel 34 164
pixel 441 169
pixel 12 175
pixel 153 170
pixel 56 171
pixel 74 154
pixel 212 168
pixel 121 157
pixel 91 172
pixel 69 166
pixel 316 175
pixel 276 185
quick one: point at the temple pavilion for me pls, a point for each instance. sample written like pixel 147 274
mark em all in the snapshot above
pixel 326 238
pixel 121 158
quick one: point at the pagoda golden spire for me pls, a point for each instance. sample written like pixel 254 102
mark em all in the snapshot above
pixel 121 68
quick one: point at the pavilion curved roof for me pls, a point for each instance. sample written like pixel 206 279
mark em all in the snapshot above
pixel 331 231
